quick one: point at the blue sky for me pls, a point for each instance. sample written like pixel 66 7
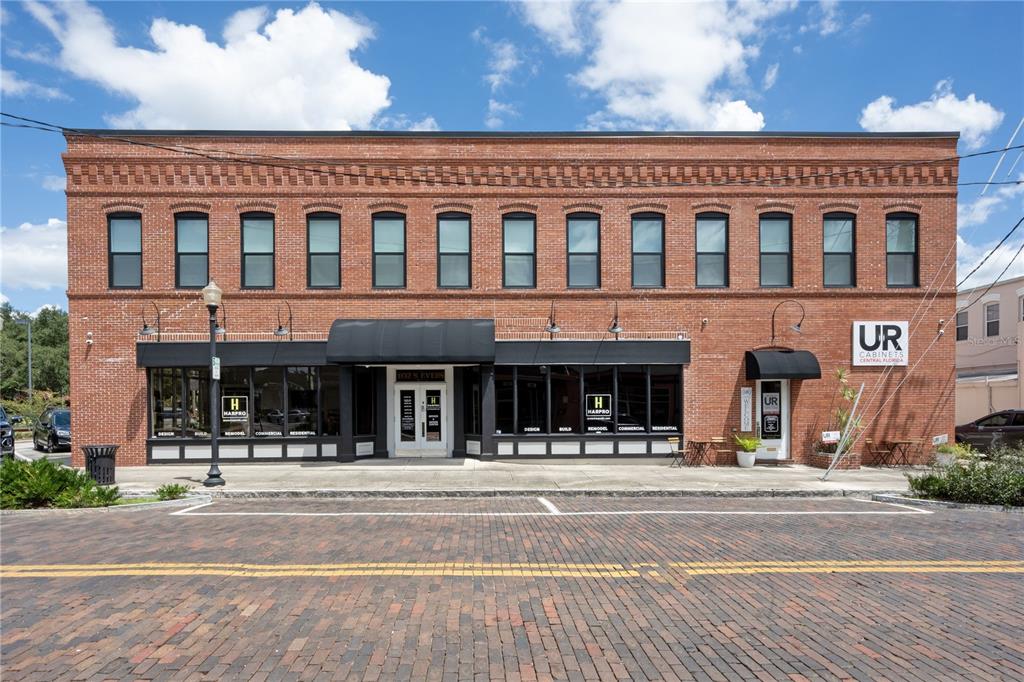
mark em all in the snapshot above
pixel 781 65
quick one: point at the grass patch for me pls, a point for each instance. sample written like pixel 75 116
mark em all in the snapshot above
pixel 137 500
pixel 997 479
pixel 43 483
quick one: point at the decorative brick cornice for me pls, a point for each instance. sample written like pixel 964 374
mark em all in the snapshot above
pixel 329 206
pixel 711 205
pixel 647 206
pixel 773 205
pixel 122 205
pixel 839 206
pixel 518 206
pixel 452 206
pixel 582 206
pixel 902 206
pixel 255 205
pixel 387 206
pixel 200 206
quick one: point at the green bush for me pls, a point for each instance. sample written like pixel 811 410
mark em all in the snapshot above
pixel 42 483
pixel 747 443
pixel 997 479
pixel 172 491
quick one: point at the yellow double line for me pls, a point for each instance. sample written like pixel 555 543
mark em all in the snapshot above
pixel 506 570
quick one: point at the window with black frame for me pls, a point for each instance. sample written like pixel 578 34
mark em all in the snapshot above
pixel 235 408
pixel 257 251
pixel 124 242
pixel 583 243
pixel 776 236
pixel 632 402
pixel 453 251
pixel 330 400
pixel 648 245
pixel 565 399
pixel 165 402
pixel 197 402
pixel 472 419
pixel 901 241
pixel 268 402
pixel 302 402
pixel 666 401
pixel 364 401
pixel 531 400
pixel 839 246
pixel 519 259
pixel 389 250
pixel 323 264
pixel 961 325
pixel 191 250
pixel 598 393
pixel 712 250
pixel 504 400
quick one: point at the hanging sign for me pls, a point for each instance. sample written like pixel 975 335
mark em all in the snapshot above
pixel 880 343
pixel 599 406
pixel 746 409
pixel 234 408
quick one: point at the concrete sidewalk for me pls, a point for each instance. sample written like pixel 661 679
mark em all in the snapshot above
pixel 469 476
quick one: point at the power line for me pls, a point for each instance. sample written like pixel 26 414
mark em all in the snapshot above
pixel 231 156
pixel 989 254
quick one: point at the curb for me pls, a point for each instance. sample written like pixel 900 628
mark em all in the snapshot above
pixel 941 504
pixel 537 492
pixel 187 501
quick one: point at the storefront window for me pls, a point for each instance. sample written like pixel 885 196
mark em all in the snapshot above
pixel 197 402
pixel 632 407
pixel 364 401
pixel 471 417
pixel 330 401
pixel 565 399
pixel 597 390
pixel 665 398
pixel 301 401
pixel 235 408
pixel 532 406
pixel 165 402
pixel 268 398
pixel 504 406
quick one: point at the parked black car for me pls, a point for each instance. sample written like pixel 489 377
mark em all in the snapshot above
pixel 998 428
pixel 52 429
pixel 7 432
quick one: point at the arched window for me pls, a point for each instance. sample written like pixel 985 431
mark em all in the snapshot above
pixel 519 250
pixel 839 246
pixel 389 250
pixel 323 250
pixel 776 239
pixel 258 250
pixel 124 250
pixel 191 250
pixel 712 250
pixel 901 239
pixel 583 250
pixel 454 267
pixel 648 242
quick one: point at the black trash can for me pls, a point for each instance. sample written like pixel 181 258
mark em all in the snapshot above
pixel 99 462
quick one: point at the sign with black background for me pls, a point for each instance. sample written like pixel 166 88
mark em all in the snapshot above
pixel 234 408
pixel 434 415
pixel 599 406
pixel 407 412
pixel 419 375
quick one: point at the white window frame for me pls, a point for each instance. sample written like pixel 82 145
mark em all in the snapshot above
pixel 988 321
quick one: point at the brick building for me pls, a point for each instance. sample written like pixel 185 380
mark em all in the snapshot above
pixel 505 294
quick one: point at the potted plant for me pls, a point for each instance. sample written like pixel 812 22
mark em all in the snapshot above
pixel 747 454
pixel 948 453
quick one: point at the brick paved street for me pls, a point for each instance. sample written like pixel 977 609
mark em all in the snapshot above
pixel 515 589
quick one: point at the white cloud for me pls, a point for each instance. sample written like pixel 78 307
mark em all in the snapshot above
pixel 978 211
pixel 827 19
pixel 943 111
pixel 54 183
pixel 770 76
pixel 557 21
pixel 497 112
pixel 969 255
pixel 45 306
pixel 4 299
pixel 34 256
pixel 403 122
pixel 12 85
pixel 502 61
pixel 295 72
pixel 669 65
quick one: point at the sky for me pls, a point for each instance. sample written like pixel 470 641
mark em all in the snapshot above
pixel 775 65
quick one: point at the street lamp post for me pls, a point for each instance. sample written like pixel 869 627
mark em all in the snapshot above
pixel 28 323
pixel 211 297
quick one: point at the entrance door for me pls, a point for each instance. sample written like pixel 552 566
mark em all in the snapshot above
pixel 421 420
pixel 773 419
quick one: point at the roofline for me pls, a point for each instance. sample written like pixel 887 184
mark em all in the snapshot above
pixel 993 285
pixel 455 134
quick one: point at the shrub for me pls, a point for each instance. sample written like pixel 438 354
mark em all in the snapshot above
pixel 747 443
pixel 42 483
pixel 172 491
pixel 999 479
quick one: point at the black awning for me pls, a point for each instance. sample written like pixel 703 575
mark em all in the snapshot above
pixel 411 341
pixel 231 353
pixel 782 364
pixel 592 353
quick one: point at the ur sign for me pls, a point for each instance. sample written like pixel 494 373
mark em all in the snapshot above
pixel 880 343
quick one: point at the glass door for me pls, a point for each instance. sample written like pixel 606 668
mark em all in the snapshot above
pixel 773 419
pixel 421 420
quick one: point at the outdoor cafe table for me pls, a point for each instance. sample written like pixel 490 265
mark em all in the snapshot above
pixel 899 452
pixel 698 450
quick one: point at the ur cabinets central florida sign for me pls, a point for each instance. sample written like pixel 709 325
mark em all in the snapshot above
pixel 880 343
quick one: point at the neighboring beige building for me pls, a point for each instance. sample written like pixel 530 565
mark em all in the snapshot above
pixel 989 356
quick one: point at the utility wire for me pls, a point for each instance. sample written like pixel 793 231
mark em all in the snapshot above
pixel 230 156
pixel 989 254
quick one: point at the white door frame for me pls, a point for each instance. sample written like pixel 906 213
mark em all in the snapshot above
pixel 421 447
pixel 775 448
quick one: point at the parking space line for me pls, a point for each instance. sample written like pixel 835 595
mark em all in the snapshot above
pixel 550 506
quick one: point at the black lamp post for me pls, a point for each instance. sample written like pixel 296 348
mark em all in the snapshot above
pixel 211 297
pixel 795 327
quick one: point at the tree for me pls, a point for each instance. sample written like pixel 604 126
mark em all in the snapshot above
pixel 49 351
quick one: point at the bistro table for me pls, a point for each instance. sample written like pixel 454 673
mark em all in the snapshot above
pixel 697 451
pixel 899 452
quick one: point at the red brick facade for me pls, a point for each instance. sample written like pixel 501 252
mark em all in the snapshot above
pixel 487 176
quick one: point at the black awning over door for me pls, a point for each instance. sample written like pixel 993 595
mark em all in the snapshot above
pixel 782 364
pixel 371 342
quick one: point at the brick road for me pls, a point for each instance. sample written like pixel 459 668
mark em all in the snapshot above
pixel 507 589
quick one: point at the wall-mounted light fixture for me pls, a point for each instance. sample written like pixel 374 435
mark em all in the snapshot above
pixel 88 338
pixel 146 329
pixel 615 327
pixel 281 329
pixel 795 327
pixel 552 328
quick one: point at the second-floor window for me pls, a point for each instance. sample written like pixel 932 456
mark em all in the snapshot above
pixel 839 264
pixel 583 246
pixel 323 265
pixel 389 250
pixel 712 250
pixel 901 250
pixel 648 250
pixel 124 233
pixel 192 250
pixel 776 250
pixel 453 251
pixel 258 251
pixel 961 325
pixel 992 319
pixel 520 250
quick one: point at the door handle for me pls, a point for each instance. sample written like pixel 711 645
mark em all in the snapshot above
pixel 423 429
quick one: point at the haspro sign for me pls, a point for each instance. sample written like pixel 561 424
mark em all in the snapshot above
pixel 235 408
pixel 880 343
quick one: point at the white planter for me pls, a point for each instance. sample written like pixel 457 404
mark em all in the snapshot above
pixel 746 459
